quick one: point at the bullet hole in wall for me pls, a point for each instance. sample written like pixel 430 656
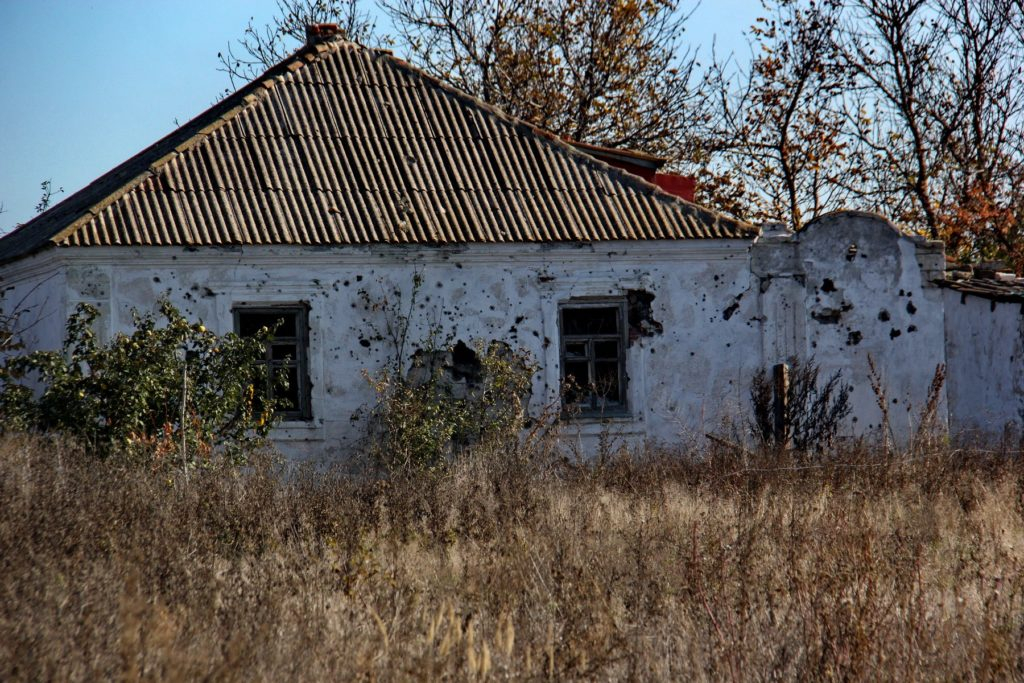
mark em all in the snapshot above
pixel 733 307
pixel 827 316
pixel 640 315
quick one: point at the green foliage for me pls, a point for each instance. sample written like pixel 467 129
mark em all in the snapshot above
pixel 426 417
pixel 127 394
pixel 447 397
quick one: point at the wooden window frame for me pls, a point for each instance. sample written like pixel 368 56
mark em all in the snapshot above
pixel 300 341
pixel 594 406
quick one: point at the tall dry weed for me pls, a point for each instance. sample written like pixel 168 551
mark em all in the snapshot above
pixel 658 567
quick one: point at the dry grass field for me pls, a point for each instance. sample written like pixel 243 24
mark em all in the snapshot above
pixel 652 568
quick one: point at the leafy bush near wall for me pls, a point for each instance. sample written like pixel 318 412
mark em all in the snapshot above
pixel 445 396
pixel 426 415
pixel 169 383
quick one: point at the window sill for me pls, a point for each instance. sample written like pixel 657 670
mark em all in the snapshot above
pixel 298 430
pixel 596 425
pixel 599 418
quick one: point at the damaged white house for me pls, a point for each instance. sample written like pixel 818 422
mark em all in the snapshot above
pixel 344 171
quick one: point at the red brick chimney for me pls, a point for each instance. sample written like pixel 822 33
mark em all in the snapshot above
pixel 680 185
pixel 319 33
pixel 644 165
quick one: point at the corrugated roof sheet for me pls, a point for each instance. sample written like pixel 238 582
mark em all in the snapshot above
pixel 341 144
pixel 997 287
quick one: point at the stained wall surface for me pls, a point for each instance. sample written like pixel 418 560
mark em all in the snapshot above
pixel 699 322
pixel 985 351
pixel 847 291
pixel 850 291
pixel 33 301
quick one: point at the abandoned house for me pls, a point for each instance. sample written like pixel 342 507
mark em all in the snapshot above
pixel 344 174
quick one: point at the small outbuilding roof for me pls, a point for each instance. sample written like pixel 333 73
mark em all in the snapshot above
pixel 341 144
pixel 987 283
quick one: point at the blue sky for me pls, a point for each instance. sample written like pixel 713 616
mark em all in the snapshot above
pixel 85 84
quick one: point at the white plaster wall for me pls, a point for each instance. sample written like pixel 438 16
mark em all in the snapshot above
pixel 985 352
pixel 682 382
pixel 726 308
pixel 35 291
pixel 821 298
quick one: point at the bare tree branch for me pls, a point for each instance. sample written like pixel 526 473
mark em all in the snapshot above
pixel 610 73
pixel 261 47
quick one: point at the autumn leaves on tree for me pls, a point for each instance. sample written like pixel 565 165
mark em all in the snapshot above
pixel 610 73
pixel 911 108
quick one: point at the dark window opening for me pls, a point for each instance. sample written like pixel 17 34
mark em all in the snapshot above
pixel 593 355
pixel 286 356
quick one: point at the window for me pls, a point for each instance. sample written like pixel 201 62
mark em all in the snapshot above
pixel 593 348
pixel 287 354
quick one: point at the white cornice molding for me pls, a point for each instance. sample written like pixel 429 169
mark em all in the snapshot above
pixel 361 255
pixel 44 263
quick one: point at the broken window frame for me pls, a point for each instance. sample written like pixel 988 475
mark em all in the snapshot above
pixel 300 363
pixel 594 405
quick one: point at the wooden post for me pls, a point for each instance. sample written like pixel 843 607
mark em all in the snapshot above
pixel 184 400
pixel 780 387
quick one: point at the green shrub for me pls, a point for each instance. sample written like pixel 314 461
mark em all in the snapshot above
pixel 132 394
pixel 426 416
pixel 445 396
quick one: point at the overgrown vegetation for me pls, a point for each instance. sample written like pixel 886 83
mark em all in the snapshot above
pixel 812 412
pixel 520 558
pixel 663 566
pixel 444 396
pixel 426 417
pixel 170 388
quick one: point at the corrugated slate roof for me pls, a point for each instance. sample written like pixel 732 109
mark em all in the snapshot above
pixel 341 144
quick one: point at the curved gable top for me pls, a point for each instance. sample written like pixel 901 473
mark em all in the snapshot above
pixel 340 144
